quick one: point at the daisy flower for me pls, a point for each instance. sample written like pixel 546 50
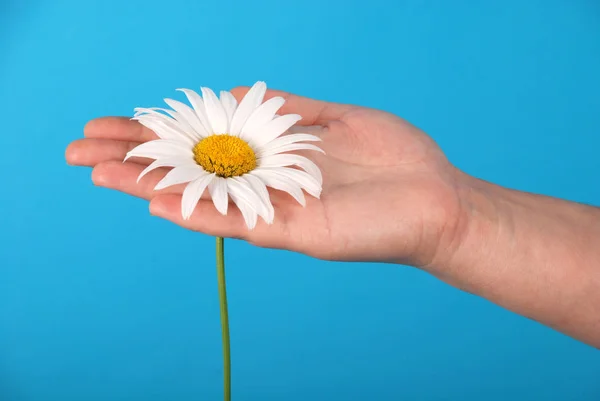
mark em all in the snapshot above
pixel 234 150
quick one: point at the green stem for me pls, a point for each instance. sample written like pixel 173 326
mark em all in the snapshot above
pixel 224 317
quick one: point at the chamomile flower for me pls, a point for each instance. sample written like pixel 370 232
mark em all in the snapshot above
pixel 233 151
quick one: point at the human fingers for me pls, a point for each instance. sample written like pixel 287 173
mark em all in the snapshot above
pixel 208 220
pixel 124 177
pixel 119 128
pixel 91 151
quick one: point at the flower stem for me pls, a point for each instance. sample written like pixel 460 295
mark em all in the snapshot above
pixel 224 317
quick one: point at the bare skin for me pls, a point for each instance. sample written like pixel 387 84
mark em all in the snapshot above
pixel 390 195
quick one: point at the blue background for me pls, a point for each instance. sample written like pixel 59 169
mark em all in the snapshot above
pixel 100 301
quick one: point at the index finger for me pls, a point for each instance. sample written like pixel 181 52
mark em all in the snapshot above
pixel 119 128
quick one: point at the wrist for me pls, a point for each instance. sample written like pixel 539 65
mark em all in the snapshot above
pixel 484 219
pixel 535 255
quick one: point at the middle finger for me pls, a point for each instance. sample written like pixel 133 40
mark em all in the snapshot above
pixel 92 151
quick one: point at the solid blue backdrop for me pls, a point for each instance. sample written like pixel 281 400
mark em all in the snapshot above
pixel 101 301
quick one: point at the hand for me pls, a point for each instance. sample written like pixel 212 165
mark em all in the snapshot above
pixel 389 194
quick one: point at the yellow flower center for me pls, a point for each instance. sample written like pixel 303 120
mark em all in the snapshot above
pixel 226 155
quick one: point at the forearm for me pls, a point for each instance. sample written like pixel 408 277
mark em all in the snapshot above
pixel 535 255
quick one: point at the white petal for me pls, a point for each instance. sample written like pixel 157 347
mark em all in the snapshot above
pixel 161 148
pixel 215 112
pixel 277 182
pixel 260 189
pixel 250 216
pixel 155 111
pixel 283 160
pixel 192 193
pixel 243 189
pixel 166 162
pixel 218 193
pixel 274 129
pixel 289 148
pixel 293 138
pixel 170 117
pixel 165 127
pixel 262 115
pixel 244 202
pixel 251 101
pixel 180 175
pixel 304 180
pixel 163 131
pixel 272 147
pixel 189 117
pixel 198 105
pixel 177 121
pixel 229 104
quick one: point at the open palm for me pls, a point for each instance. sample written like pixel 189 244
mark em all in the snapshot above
pixel 389 194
